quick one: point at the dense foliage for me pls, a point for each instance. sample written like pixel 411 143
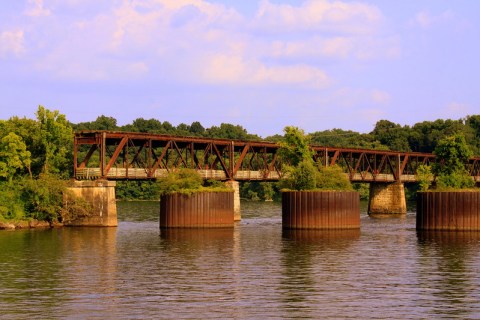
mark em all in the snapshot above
pixel 303 173
pixel 188 181
pixel 453 153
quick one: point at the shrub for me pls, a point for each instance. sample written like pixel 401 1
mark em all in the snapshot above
pixel 424 177
pixel 332 178
pixel 187 181
pixel 43 197
pixel 304 175
pixel 11 205
pixel 452 154
pixel 455 180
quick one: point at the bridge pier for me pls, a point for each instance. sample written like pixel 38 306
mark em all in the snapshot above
pixel 100 209
pixel 387 198
pixel 235 185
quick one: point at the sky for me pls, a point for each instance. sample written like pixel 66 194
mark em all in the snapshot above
pixel 261 64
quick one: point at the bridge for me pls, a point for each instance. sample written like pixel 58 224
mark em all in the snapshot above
pixel 102 157
pixel 144 156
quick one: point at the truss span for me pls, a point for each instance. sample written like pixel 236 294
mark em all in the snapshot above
pixel 143 156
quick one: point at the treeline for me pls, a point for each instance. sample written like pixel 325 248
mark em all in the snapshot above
pixel 196 129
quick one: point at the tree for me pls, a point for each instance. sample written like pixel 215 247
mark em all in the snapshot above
pixel 424 177
pixel 345 139
pixel 196 128
pixel 13 156
pixel 230 131
pixel 101 123
pixel 294 148
pixel 452 154
pixel 392 135
pixel 56 142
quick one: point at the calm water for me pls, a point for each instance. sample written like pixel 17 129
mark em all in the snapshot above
pixel 386 270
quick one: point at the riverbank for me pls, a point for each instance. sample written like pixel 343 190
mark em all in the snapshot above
pixel 28 224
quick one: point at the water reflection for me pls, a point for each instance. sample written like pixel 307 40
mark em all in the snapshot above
pixel 29 271
pixel 89 268
pixel 307 265
pixel 254 270
pixel 452 257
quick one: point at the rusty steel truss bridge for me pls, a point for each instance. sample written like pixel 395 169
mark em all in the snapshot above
pixel 144 156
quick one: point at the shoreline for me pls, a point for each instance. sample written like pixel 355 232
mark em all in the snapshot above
pixel 28 224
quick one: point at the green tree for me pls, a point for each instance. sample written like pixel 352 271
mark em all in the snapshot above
pixel 301 177
pixel 332 178
pixel 392 135
pixel 13 156
pixel 294 148
pixel 230 131
pixel 101 123
pixel 345 139
pixel 196 128
pixel 452 155
pixel 56 142
pixel 424 177
pixel 150 125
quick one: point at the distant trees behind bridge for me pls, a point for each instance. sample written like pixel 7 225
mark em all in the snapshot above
pixel 386 135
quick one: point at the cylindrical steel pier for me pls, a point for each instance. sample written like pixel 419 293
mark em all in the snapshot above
pixel 449 210
pixel 198 210
pixel 320 210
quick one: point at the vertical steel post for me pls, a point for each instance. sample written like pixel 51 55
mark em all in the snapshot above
pixel 75 157
pixel 103 152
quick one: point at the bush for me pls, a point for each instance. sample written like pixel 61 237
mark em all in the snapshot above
pixel 455 180
pixel 424 177
pixel 332 178
pixel 43 197
pixel 452 155
pixel 11 204
pixel 27 198
pixel 187 181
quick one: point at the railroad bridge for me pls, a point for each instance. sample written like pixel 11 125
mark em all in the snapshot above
pixel 110 155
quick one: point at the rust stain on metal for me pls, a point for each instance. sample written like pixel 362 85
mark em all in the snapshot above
pixel 457 211
pixel 320 210
pixel 199 210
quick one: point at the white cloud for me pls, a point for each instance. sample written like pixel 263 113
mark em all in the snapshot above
pixel 234 69
pixel 456 110
pixel 316 15
pixel 12 43
pixel 35 8
pixel 196 41
pixel 427 20
pixel 380 97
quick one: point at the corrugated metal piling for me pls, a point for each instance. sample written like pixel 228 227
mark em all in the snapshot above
pixel 198 210
pixel 320 210
pixel 448 210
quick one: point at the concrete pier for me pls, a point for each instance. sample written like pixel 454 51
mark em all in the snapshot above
pixel 387 198
pixel 235 185
pixel 100 208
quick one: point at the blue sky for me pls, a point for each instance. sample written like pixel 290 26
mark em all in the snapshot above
pixel 316 64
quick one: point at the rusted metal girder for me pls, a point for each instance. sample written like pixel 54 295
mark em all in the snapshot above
pixel 142 156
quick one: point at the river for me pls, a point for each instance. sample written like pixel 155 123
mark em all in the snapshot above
pixel 253 271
